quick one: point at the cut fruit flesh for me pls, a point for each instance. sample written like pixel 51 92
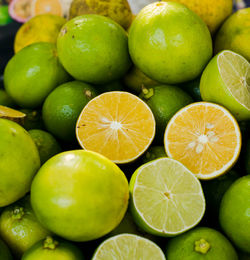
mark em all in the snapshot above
pixel 47 6
pixel 167 198
pixel 205 137
pixel 117 125
pixel 128 247
pixel 12 114
pixel 20 10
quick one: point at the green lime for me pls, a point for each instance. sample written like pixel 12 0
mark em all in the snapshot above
pixel 226 81
pixel 4 15
pixel 169 43
pixel 6 100
pixel 128 247
pixel 46 144
pixel 33 73
pixel 234 213
pixel 113 86
pixel 164 101
pixel 247 157
pixel 80 195
pixel 193 89
pixel 135 80
pixel 19 227
pixel 53 249
pixel 19 162
pixel 154 152
pixel 163 193
pixel 200 243
pixel 94 49
pixel 63 106
pixel 33 119
pixel 4 252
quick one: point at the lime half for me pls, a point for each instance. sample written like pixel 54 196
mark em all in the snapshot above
pixel 167 199
pixel 226 81
pixel 128 247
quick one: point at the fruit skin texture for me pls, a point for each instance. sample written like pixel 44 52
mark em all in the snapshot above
pixel 183 246
pixel 234 213
pixel 63 106
pixel 169 43
pixel 212 12
pixel 33 73
pixel 234 34
pixel 19 227
pixel 41 28
pixel 19 162
pixel 51 249
pixel 80 195
pixel 213 89
pixel 117 10
pixel 6 100
pixel 4 252
pixel 94 49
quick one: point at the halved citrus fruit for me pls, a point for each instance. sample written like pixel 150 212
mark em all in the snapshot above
pixel 205 137
pixel 118 125
pixel 47 6
pixel 12 114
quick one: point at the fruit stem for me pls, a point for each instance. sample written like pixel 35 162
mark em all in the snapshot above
pixel 18 213
pixel 88 93
pixel 147 93
pixel 50 243
pixel 202 246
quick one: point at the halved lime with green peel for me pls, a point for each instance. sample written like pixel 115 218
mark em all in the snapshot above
pixel 128 247
pixel 167 199
pixel 226 81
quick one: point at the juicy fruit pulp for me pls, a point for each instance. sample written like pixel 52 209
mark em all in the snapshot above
pixel 46 6
pixel 19 162
pixel 12 114
pixel 35 70
pixel 128 247
pixel 169 43
pixel 20 10
pixel 74 192
pixel 166 198
pixel 226 81
pixel 117 125
pixel 197 137
pixel 93 48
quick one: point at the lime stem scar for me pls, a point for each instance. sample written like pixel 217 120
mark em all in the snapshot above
pixel 201 246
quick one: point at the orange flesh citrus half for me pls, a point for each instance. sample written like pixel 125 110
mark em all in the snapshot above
pixel 117 125
pixel 47 6
pixel 205 137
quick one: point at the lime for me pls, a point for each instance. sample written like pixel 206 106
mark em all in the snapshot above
pixel 200 243
pixel 12 114
pixel 226 81
pixel 19 162
pixel 19 227
pixel 46 144
pixel 169 42
pixel 234 34
pixel 33 73
pixel 4 15
pixel 80 195
pixel 5 99
pixel 154 152
pixel 94 49
pixel 4 252
pixel 63 106
pixel 164 101
pixel 128 247
pixel 247 157
pixel 53 249
pixel 41 28
pixel 234 213
pixel 163 193
pixel 192 88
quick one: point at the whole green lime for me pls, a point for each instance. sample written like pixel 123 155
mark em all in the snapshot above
pixel 169 42
pixel 80 195
pixel 4 252
pixel 94 49
pixel 164 101
pixel 19 162
pixel 234 213
pixel 33 119
pixel 33 73
pixel 53 249
pixel 4 15
pixel 46 144
pixel 19 227
pixel 154 152
pixel 247 157
pixel 63 106
pixel 200 243
pixel 5 99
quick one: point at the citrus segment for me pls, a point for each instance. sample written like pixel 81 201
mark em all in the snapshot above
pixel 128 247
pixel 117 125
pixel 205 137
pixel 47 6
pixel 167 199
pixel 12 114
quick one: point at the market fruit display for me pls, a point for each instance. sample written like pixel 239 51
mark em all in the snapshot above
pixel 125 136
